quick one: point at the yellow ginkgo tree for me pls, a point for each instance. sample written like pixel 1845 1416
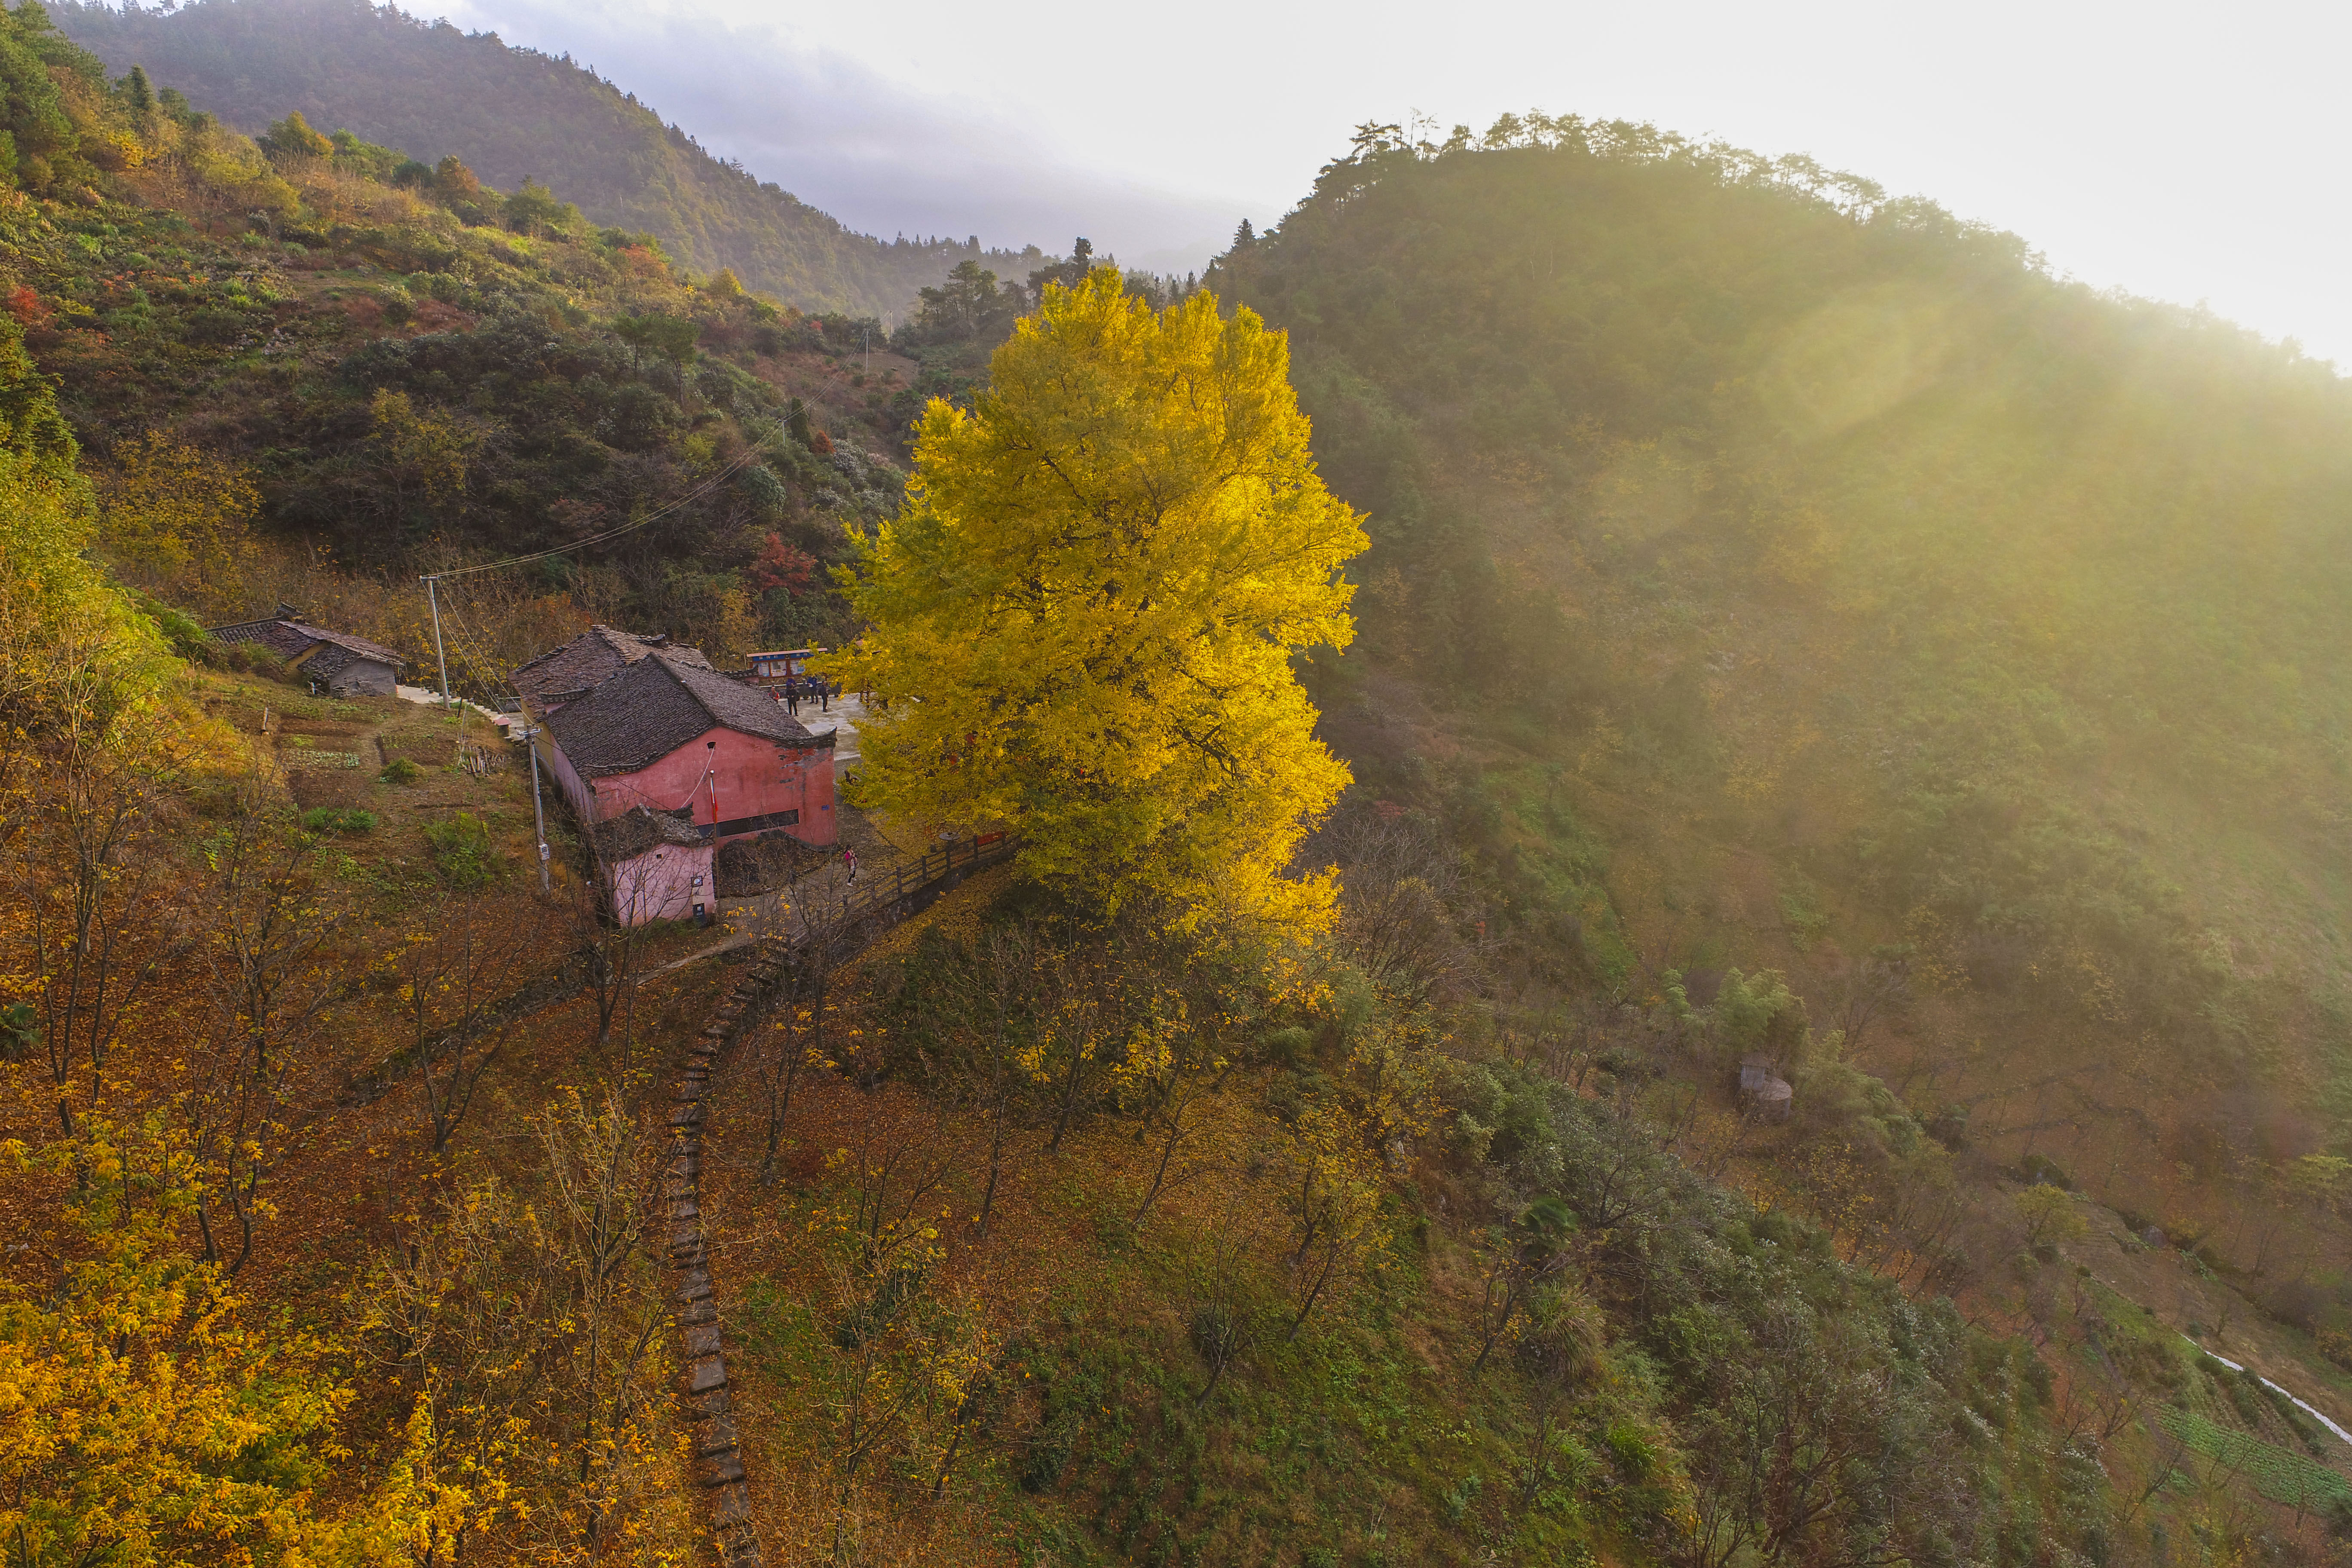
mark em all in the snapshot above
pixel 1081 624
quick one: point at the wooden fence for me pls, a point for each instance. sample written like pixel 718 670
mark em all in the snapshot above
pixel 883 898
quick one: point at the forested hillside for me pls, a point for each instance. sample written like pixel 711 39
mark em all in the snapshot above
pixel 1768 572
pixel 510 114
pixel 329 354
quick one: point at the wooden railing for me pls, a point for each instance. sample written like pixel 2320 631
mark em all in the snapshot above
pixel 880 890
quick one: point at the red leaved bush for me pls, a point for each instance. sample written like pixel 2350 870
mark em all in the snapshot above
pixel 780 565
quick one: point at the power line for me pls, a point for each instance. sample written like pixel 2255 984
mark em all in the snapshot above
pixel 470 643
pixel 712 483
pixel 433 580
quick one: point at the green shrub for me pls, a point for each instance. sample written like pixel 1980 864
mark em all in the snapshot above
pixel 461 851
pixel 20 1027
pixel 182 631
pixel 401 771
pixel 337 819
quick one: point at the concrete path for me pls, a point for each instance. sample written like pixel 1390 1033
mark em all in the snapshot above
pixel 841 723
pixel 427 697
pixel 2312 1410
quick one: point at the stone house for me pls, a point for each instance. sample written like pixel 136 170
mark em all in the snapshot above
pixel 333 662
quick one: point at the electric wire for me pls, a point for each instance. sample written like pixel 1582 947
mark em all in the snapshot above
pixel 470 644
pixel 750 454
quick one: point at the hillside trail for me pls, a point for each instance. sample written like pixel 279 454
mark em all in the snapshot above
pixel 2314 1411
pixel 704 1379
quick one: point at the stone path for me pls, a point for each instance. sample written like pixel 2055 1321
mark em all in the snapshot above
pixel 428 698
pixel 717 1465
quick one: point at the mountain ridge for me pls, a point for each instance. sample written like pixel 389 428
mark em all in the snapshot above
pixel 513 114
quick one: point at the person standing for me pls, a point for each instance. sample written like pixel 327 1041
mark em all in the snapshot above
pixel 849 859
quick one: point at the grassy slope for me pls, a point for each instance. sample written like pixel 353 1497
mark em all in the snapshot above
pixel 1098 1435
pixel 509 114
pixel 1794 580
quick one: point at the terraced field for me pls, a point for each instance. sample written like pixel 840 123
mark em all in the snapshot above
pixel 2279 1474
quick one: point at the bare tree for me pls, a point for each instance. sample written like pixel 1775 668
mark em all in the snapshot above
pixel 893 1174
pixel 601 1188
pixel 985 1011
pixel 1332 1190
pixel 267 919
pixel 1224 1310
pixel 601 914
pixel 529 1323
pixel 888 1372
pixel 607 952
pixel 1872 987
pixel 87 878
pixel 1080 1003
pixel 1194 1058
pixel 1012 957
pixel 1404 906
pixel 455 976
pixel 779 1056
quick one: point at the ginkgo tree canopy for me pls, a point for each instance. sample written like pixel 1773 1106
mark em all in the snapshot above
pixel 1081 624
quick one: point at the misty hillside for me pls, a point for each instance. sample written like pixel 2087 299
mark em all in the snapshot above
pixel 430 90
pixel 1783 575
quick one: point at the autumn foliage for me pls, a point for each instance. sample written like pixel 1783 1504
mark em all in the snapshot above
pixel 1084 621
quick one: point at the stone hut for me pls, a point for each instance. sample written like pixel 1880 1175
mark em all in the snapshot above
pixel 335 662
pixel 1763 1092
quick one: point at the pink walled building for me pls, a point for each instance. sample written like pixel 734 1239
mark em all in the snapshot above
pixel 659 867
pixel 665 759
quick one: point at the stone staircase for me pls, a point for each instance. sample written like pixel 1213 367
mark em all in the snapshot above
pixel 718 1460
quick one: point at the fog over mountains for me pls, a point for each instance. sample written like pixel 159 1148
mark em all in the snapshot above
pixel 880 155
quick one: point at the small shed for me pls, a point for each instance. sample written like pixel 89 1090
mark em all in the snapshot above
pixel 658 866
pixel 1763 1092
pixel 334 662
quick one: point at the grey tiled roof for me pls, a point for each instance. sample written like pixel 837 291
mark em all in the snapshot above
pixel 592 658
pixel 639 828
pixel 291 638
pixel 654 706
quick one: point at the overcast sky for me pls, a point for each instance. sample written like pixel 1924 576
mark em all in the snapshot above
pixel 2187 153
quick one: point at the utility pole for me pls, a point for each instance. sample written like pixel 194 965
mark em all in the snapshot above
pixel 538 812
pixel 433 592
